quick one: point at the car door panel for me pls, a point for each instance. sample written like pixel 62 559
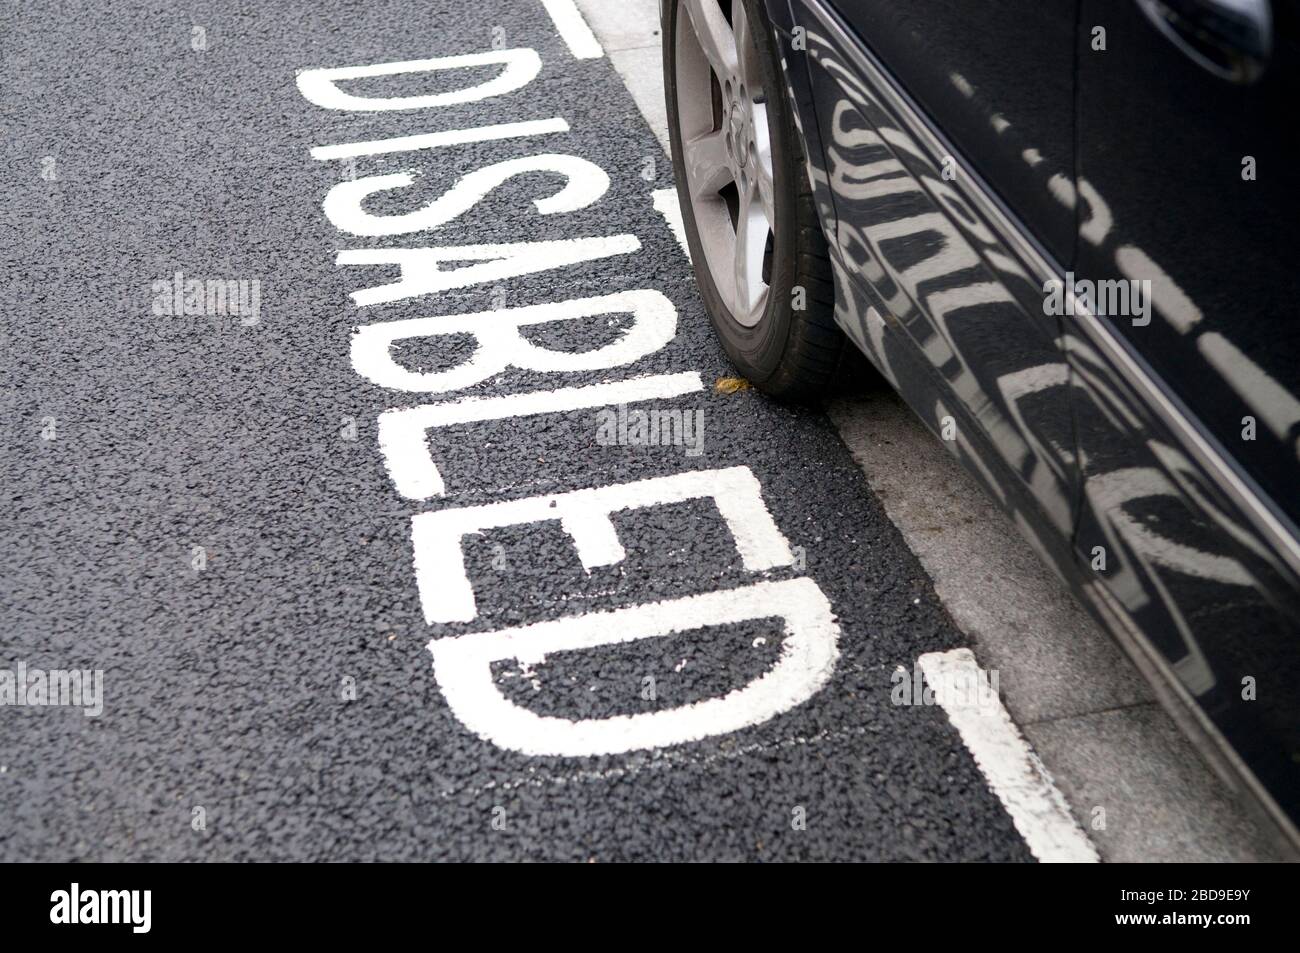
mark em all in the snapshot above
pixel 930 259
pixel 1186 410
pixel 1177 565
pixel 1167 151
pixel 998 78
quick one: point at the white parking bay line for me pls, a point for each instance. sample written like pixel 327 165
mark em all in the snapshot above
pixel 1009 765
pixel 573 29
pixel 667 205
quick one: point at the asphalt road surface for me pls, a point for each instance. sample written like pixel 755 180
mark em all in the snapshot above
pixel 200 505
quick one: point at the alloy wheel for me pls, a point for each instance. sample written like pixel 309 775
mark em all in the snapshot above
pixel 727 150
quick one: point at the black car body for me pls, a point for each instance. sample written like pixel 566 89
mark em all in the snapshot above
pixel 972 164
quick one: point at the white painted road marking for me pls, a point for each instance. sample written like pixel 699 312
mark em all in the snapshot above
pixel 584 183
pixel 463 664
pixel 463 667
pixel 406 450
pixel 501 344
pixel 420 271
pixel 668 205
pixel 1010 766
pixel 521 68
pixel 573 29
pixel 445 589
pixel 438 140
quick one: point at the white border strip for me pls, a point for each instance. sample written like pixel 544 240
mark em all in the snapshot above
pixel 1009 765
pixel 573 29
pixel 666 204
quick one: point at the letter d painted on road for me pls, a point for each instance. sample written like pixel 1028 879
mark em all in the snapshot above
pixel 521 66
pixel 463 668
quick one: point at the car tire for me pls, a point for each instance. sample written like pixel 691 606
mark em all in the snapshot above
pixel 790 352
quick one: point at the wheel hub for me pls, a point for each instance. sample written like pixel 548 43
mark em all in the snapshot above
pixel 738 126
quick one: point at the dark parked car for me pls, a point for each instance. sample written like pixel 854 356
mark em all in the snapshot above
pixel 1066 232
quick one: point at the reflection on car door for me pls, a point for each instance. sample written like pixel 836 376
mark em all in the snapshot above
pixel 1188 411
pixel 931 286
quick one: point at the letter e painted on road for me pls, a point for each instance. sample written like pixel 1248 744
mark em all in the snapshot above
pixel 445 590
